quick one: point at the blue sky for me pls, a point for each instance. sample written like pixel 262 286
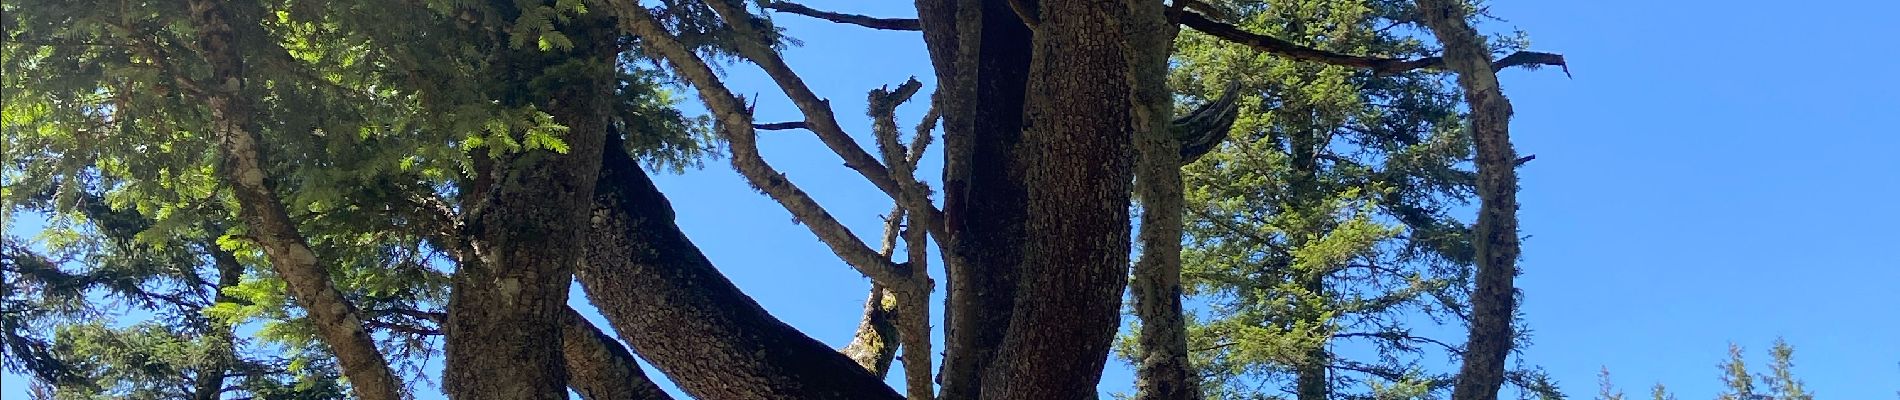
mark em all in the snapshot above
pixel 1714 172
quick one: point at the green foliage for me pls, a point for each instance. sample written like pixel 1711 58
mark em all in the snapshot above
pixel 1324 221
pixel 371 114
pixel 1741 383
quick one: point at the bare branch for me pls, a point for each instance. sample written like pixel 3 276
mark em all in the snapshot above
pixel 818 113
pixel 781 126
pixel 914 301
pixel 889 24
pixel 735 124
pixel 1379 65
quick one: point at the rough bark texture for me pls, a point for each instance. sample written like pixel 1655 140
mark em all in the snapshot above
pixel 874 344
pixel 289 253
pixel 1162 371
pixel 503 334
pixel 984 196
pixel 670 304
pixel 598 367
pixel 1493 302
pixel 1078 129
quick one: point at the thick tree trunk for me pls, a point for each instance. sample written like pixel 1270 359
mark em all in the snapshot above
pixel 503 336
pixel 598 367
pixel 984 198
pixel 674 308
pixel 1493 302
pixel 1078 129
pixel 289 253
pixel 1162 371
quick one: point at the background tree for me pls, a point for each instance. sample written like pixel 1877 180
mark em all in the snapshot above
pixel 1738 382
pixel 1324 222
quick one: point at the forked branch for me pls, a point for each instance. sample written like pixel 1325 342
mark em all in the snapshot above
pixel 734 123
pixel 913 302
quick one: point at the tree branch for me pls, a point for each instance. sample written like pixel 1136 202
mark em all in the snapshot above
pixel 876 340
pixel 1379 65
pixel 818 114
pixel 598 367
pixel 735 124
pixel 889 24
pixel 914 301
pixel 1494 238
pixel 781 126
pixel 242 158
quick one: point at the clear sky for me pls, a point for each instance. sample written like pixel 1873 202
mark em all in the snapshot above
pixel 1714 172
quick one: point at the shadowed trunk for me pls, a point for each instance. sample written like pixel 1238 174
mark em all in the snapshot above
pixel 669 303
pixel 243 167
pixel 984 200
pixel 503 334
pixel 1078 128
pixel 1493 302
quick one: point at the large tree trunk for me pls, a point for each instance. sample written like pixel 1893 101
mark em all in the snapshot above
pixel 244 169
pixel 669 303
pixel 598 367
pixel 982 65
pixel 1493 302
pixel 503 336
pixel 1078 129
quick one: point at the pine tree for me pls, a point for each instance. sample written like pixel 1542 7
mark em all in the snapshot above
pixel 1780 379
pixel 1606 390
pixel 1738 383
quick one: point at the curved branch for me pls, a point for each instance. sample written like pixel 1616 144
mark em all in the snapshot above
pixel 1379 65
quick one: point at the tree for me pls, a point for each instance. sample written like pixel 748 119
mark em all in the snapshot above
pixel 1608 391
pixel 1738 383
pixel 1781 381
pixel 416 169
pixel 1324 222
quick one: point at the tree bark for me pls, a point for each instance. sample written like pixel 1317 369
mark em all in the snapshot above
pixel 874 344
pixel 503 335
pixel 1078 128
pixel 244 169
pixel 1493 302
pixel 1162 371
pixel 598 367
pixel 670 304
pixel 981 51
